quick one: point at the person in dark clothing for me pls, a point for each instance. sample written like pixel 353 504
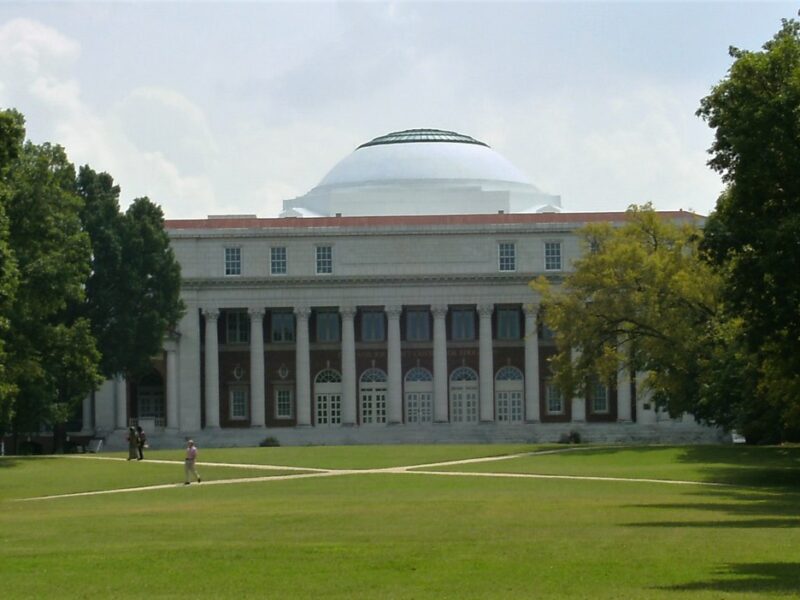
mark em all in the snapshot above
pixel 141 442
pixel 133 443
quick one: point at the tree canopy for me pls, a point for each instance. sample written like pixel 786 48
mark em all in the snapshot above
pixel 85 290
pixel 753 236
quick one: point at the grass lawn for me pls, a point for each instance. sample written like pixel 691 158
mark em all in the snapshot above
pixel 408 535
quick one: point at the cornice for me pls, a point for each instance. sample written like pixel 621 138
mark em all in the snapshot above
pixel 361 280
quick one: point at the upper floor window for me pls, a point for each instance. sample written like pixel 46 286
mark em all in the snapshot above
pixel 599 398
pixel 277 264
pixel 507 256
pixel 372 326
pixel 328 326
pixel 418 325
pixel 233 261
pixel 282 326
pixel 462 324
pixel 508 325
pixel 237 327
pixel 552 256
pixel 324 260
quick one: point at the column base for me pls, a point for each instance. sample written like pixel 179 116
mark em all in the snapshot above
pixel 394 423
pixel 348 424
pixel 258 426
pixel 486 422
pixel 532 421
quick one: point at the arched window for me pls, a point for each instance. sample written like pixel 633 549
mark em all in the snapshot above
pixel 464 395
pixel 328 397
pixel 373 376
pixel 419 396
pixel 509 390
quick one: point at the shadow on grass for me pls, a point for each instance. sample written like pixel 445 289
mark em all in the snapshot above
pixel 776 468
pixel 748 577
pixel 16 460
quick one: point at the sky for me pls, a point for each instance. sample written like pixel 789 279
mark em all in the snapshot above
pixel 233 107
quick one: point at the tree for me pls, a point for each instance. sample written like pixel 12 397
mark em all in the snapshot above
pixel 12 134
pixel 641 299
pixel 753 236
pixel 133 293
pixel 51 358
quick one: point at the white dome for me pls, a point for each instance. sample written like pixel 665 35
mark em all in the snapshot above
pixel 422 171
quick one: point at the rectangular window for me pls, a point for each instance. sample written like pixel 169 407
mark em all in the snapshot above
pixel 277 264
pixel 282 326
pixel 327 326
pixel 508 327
pixel 324 260
pixel 553 399
pixel 233 261
pixel 372 327
pixel 418 326
pixel 462 324
pixel 507 256
pixel 283 403
pixel 238 404
pixel 552 256
pixel 237 327
pixel 599 398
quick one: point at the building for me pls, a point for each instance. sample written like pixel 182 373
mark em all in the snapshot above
pixel 388 304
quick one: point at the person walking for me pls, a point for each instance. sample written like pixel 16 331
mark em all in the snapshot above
pixel 189 462
pixel 141 442
pixel 133 443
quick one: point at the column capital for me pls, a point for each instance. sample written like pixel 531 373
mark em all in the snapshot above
pixel 256 312
pixel 170 346
pixel 439 310
pixel 302 312
pixel 347 312
pixel 393 311
pixel 211 313
pixel 531 309
pixel 485 310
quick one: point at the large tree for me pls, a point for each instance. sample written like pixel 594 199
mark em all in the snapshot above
pixel 12 134
pixel 133 293
pixel 51 355
pixel 640 299
pixel 753 236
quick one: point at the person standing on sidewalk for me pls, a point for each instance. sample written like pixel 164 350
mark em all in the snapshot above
pixel 189 462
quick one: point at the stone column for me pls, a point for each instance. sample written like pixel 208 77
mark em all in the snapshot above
pixel 531 364
pixel 257 399
pixel 189 375
pixel 578 404
pixel 623 395
pixel 440 404
pixel 394 397
pixel 302 367
pixel 121 396
pixel 87 426
pixel 172 384
pixel 212 369
pixel 348 365
pixel 486 363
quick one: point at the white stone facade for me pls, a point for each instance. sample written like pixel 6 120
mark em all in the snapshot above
pixel 370 329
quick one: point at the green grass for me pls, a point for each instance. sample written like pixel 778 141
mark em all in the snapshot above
pixel 408 535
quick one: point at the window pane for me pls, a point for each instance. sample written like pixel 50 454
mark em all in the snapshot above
pixel 463 324
pixel 237 327
pixel 278 261
pixel 555 403
pixel 238 403
pixel 508 327
pixel 282 326
pixel 283 403
pixel 327 326
pixel 417 326
pixel 552 256
pixel 507 256
pixel 233 261
pixel 324 259
pixel 372 329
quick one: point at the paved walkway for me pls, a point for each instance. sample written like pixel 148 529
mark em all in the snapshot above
pixel 310 472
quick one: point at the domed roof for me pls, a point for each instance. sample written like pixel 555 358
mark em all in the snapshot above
pixel 422 155
pixel 425 172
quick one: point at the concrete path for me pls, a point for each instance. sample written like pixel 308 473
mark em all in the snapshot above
pixel 427 469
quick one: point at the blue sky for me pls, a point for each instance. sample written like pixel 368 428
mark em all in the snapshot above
pixel 213 108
